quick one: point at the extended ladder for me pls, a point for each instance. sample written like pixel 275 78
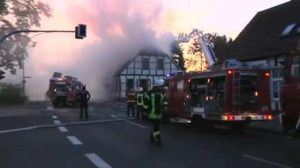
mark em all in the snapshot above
pixel 236 91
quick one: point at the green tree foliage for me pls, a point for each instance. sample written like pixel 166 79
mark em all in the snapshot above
pixel 177 55
pixel 18 15
pixel 222 46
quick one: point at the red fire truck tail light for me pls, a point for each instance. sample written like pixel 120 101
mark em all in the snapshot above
pixel 225 118
pixel 267 74
pixel 228 117
pixel 268 117
pixel 230 72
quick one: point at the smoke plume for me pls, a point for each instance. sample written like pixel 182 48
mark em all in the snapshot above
pixel 116 31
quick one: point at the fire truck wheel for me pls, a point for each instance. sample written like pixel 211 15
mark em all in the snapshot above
pixel 285 124
pixel 238 127
pixel 166 118
pixel 195 121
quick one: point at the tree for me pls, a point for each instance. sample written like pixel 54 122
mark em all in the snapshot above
pixel 18 15
pixel 195 60
pixel 222 47
pixel 177 55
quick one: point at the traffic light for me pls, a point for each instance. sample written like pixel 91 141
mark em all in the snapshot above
pixel 2 74
pixel 80 31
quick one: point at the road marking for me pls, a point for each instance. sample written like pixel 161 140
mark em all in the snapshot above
pixel 54 117
pixel 63 124
pixel 136 124
pixel 57 122
pixel 100 163
pixel 63 129
pixel 74 140
pixel 265 161
pixel 118 115
pixel 17 129
pixel 50 108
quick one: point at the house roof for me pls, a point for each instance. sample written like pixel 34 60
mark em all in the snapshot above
pixel 260 38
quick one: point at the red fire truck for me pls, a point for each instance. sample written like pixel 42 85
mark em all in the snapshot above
pixel 290 93
pixel 63 89
pixel 232 92
pixel 228 95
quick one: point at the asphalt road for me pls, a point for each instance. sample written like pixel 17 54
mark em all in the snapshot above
pixel 109 139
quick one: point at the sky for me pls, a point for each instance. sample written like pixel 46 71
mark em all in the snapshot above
pixel 117 30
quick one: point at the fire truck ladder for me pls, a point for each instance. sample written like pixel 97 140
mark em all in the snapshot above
pixel 236 91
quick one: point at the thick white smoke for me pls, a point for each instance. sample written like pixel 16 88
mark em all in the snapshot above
pixel 116 31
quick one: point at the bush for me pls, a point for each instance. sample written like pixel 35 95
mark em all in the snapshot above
pixel 11 94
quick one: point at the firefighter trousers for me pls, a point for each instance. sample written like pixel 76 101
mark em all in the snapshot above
pixel 155 134
pixel 130 107
pixel 84 110
pixel 140 110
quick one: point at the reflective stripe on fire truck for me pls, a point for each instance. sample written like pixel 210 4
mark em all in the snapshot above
pixel 280 119
pixel 244 117
pixel 298 123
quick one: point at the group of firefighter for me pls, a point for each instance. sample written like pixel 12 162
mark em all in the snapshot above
pixel 150 105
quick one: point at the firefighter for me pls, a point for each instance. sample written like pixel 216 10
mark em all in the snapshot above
pixel 140 103
pixel 84 97
pixel 156 104
pixel 131 101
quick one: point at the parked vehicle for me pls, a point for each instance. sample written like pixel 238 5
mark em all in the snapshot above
pixel 229 95
pixel 290 93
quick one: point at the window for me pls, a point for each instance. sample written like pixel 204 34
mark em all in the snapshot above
pixel 160 64
pixel 130 84
pixel 145 63
pixel 296 67
pixel 277 73
pixel 276 88
pixel 180 85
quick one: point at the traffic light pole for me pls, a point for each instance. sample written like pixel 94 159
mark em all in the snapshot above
pixel 36 31
pixel 80 33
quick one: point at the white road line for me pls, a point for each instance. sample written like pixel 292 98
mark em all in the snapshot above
pixel 118 115
pixel 18 129
pixel 265 161
pixel 63 129
pixel 136 124
pixel 50 108
pixel 57 122
pixel 100 163
pixel 74 140
pixel 54 117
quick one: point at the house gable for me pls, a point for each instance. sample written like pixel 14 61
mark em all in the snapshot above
pixel 260 38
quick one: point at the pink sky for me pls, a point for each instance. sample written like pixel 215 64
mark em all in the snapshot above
pixel 116 29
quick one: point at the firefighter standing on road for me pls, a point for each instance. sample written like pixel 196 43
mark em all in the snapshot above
pixel 140 103
pixel 131 101
pixel 84 97
pixel 156 104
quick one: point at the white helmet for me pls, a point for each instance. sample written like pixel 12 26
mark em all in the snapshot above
pixel 158 82
pixel 140 89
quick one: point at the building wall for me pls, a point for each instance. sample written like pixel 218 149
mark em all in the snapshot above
pixel 136 72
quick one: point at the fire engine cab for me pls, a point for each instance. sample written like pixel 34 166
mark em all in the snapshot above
pixel 235 95
pixel 63 89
